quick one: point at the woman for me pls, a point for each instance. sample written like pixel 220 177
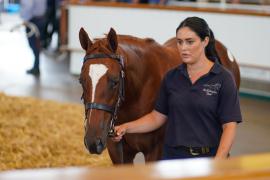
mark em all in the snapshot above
pixel 198 100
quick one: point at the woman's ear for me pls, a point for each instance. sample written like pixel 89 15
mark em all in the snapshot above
pixel 206 41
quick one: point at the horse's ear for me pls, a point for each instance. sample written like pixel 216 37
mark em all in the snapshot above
pixel 112 40
pixel 84 39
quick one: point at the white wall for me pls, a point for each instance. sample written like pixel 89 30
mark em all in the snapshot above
pixel 247 36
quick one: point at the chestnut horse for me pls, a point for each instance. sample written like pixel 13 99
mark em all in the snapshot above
pixel 121 77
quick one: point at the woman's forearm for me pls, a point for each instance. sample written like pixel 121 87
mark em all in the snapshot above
pixel 227 138
pixel 147 123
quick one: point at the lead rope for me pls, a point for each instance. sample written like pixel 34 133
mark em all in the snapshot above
pixel 112 133
pixel 34 31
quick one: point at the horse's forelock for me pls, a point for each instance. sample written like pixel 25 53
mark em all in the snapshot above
pixel 101 45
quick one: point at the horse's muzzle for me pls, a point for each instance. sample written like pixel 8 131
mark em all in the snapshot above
pixel 94 147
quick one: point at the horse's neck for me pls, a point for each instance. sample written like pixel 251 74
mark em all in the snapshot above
pixel 134 70
pixel 144 69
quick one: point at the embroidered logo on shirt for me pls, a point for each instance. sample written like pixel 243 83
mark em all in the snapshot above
pixel 211 89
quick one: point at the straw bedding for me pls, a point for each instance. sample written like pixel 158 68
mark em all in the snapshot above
pixel 36 133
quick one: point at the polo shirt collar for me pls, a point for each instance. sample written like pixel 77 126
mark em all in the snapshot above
pixel 216 69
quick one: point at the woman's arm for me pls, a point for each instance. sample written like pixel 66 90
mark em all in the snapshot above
pixel 147 123
pixel 227 138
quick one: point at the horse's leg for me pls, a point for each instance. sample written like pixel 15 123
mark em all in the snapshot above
pixel 114 152
pixel 155 154
pixel 129 154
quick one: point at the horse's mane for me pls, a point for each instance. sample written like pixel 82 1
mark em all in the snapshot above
pixel 130 39
pixel 130 43
pixel 134 39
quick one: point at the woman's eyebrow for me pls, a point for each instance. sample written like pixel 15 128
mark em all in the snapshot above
pixel 185 39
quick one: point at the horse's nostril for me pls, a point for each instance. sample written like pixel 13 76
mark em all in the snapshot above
pixel 99 146
pixel 98 141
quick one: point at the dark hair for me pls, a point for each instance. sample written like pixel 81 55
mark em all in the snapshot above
pixel 201 28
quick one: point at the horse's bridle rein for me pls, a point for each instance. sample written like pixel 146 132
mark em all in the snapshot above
pixel 121 93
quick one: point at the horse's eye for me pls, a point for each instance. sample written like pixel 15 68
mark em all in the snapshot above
pixel 113 83
pixel 82 97
pixel 80 80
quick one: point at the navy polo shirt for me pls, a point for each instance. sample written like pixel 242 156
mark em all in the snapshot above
pixel 196 112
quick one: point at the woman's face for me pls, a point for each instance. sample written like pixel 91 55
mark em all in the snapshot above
pixel 190 46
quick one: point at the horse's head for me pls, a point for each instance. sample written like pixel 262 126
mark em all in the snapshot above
pixel 102 79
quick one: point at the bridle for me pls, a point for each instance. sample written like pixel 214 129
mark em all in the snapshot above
pixel 121 92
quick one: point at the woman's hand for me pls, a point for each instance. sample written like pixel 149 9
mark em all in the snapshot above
pixel 120 131
pixel 147 123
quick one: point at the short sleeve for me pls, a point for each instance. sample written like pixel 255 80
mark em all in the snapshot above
pixel 229 106
pixel 26 10
pixel 162 99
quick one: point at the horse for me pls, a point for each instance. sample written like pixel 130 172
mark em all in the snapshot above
pixel 120 78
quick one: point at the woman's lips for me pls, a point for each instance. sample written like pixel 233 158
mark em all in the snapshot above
pixel 184 55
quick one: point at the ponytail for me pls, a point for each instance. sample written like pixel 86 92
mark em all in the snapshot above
pixel 210 49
